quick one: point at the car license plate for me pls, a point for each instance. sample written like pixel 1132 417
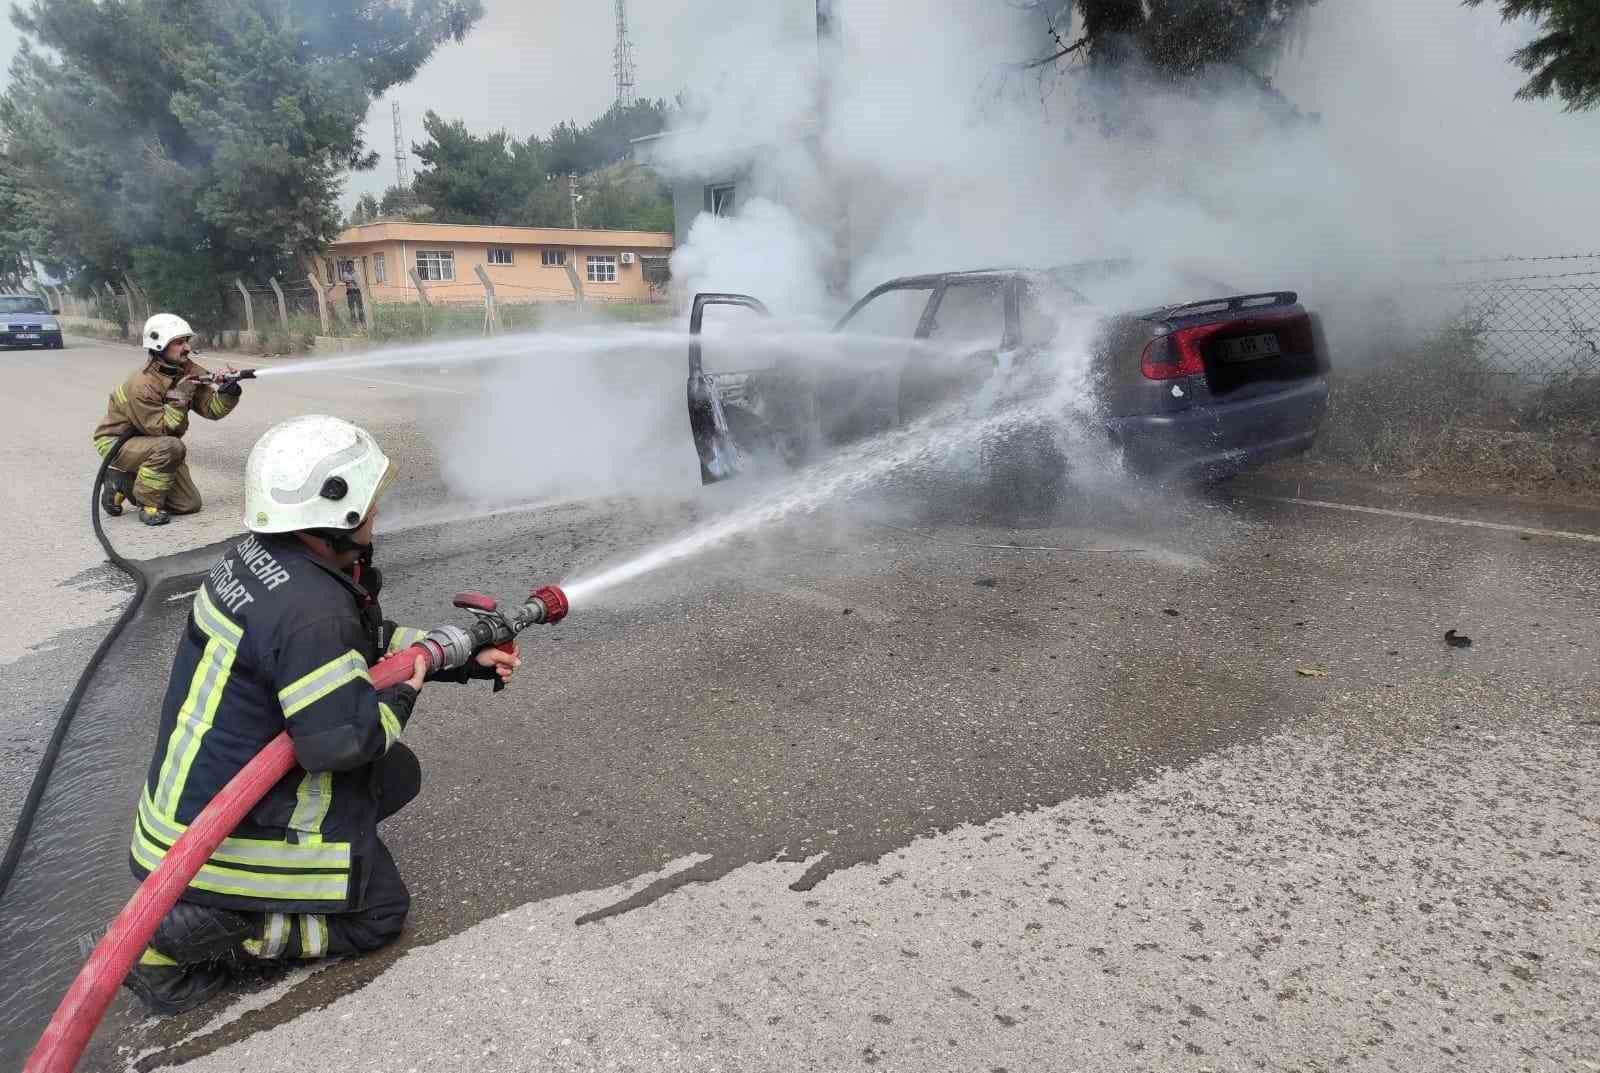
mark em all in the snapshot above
pixel 28 335
pixel 1249 348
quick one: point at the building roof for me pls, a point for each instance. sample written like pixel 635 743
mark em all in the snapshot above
pixel 487 234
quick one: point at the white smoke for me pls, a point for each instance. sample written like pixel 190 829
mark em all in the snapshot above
pixel 927 149
pixel 930 151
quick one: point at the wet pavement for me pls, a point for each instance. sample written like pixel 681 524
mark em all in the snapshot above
pixel 835 690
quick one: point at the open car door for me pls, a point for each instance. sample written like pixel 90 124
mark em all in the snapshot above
pixel 720 442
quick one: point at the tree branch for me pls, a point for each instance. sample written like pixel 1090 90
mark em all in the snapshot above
pixel 1077 46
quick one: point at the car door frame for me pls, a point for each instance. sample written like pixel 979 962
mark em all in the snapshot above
pixel 717 450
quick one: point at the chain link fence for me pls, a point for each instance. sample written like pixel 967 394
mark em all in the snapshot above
pixel 1538 317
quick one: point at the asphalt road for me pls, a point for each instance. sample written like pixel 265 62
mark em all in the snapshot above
pixel 905 787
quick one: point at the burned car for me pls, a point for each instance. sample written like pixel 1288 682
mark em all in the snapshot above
pixel 1189 390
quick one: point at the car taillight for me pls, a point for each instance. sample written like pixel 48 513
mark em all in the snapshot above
pixel 1178 354
pixel 1174 356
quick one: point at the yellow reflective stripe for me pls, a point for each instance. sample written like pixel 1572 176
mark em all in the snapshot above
pixel 154 957
pixel 310 688
pixel 257 852
pixel 405 637
pixel 154 478
pixel 103 444
pixel 193 722
pixel 276 935
pixel 220 405
pixel 313 935
pixel 272 886
pixel 213 622
pixel 120 395
pixel 171 416
pixel 391 726
pixel 312 800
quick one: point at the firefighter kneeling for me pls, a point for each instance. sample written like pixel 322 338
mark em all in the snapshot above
pixel 280 636
pixel 154 404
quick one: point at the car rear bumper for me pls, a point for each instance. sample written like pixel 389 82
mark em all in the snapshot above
pixel 41 338
pixel 1220 439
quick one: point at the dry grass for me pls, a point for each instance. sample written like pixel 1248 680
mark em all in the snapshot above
pixel 1440 412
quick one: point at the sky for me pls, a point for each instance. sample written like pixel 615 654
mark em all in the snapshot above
pixel 528 66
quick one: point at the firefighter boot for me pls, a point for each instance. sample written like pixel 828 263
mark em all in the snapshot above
pixel 153 515
pixel 189 934
pixel 168 988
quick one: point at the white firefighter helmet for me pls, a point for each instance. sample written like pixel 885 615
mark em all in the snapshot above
pixel 162 329
pixel 313 472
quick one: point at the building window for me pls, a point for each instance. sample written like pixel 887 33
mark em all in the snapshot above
pixel 555 258
pixel 380 270
pixel 499 255
pixel 719 199
pixel 436 265
pixel 602 268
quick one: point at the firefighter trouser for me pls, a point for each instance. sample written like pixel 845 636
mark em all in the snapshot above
pixel 158 474
pixel 383 910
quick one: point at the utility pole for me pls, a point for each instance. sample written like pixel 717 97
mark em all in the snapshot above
pixel 572 189
pixel 622 58
pixel 835 188
pixel 402 159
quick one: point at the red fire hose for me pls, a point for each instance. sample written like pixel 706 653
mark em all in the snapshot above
pixel 65 1037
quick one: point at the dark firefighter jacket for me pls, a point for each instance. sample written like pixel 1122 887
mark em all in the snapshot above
pixel 151 403
pixel 276 641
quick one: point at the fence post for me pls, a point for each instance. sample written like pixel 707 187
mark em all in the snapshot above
pixel 127 297
pixel 57 303
pixel 283 306
pixel 249 307
pixel 577 284
pixel 491 309
pixel 422 292
pixel 366 297
pixel 133 289
pixel 322 302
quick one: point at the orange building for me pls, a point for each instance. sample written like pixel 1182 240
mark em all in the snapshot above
pixel 525 264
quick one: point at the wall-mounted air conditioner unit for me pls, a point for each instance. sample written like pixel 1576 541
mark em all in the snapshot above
pixel 627 258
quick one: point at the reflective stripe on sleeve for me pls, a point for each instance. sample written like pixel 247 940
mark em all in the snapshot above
pixel 391 726
pixel 308 689
pixel 405 637
pixel 171 416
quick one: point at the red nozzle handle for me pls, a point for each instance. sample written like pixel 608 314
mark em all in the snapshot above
pixel 475 601
pixel 555 603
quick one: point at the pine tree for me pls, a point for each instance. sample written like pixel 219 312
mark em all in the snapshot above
pixel 1564 60
pixel 198 139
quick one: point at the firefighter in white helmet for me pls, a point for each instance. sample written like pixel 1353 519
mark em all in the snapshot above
pixel 280 637
pixel 154 405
